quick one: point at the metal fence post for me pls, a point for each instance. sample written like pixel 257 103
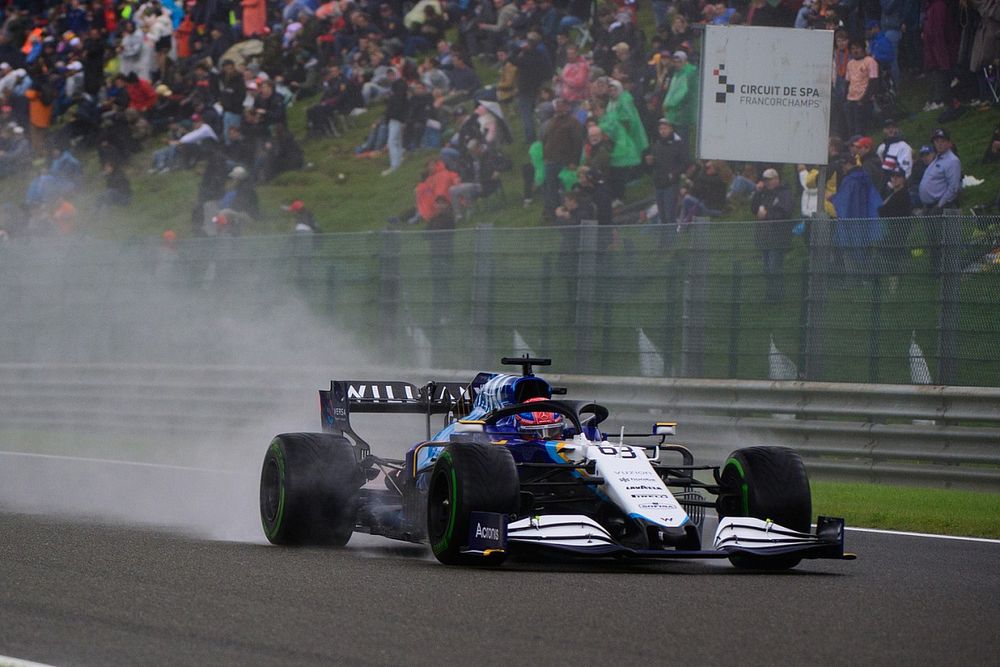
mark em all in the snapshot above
pixel 820 247
pixel 735 316
pixel 875 330
pixel 586 285
pixel 951 280
pixel 695 293
pixel 388 294
pixel 482 288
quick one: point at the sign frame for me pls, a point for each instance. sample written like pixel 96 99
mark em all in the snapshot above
pixel 765 94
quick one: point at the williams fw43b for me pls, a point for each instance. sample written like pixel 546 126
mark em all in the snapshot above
pixel 515 471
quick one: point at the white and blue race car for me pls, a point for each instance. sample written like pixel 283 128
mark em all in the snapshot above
pixel 516 471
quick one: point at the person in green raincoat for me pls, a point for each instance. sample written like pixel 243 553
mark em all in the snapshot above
pixel 625 157
pixel 680 105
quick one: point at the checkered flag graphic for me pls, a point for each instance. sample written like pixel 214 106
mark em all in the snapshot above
pixel 720 74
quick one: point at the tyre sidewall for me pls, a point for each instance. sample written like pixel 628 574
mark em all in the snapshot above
pixel 767 483
pixel 474 478
pixel 318 480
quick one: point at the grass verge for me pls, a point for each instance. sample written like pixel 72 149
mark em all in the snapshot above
pixel 922 510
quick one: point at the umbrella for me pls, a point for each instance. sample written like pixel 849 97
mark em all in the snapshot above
pixel 241 52
pixel 505 134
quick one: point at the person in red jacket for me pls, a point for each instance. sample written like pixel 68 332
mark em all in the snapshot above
pixel 435 185
pixel 141 94
pixel 940 52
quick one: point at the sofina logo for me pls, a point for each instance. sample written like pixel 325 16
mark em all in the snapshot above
pixel 720 75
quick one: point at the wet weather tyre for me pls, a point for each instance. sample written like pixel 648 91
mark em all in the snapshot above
pixel 309 487
pixel 468 477
pixel 768 483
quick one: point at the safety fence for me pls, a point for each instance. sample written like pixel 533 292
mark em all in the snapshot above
pixel 924 435
pixel 866 301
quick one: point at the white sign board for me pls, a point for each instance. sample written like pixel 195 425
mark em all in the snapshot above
pixel 765 94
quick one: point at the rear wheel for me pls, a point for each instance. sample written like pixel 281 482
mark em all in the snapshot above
pixel 468 477
pixel 309 489
pixel 768 483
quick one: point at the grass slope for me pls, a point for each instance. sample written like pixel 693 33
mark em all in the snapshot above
pixel 367 199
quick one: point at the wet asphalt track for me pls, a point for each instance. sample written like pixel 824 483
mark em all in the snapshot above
pixel 84 593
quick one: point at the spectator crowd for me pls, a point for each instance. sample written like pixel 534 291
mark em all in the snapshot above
pixel 600 100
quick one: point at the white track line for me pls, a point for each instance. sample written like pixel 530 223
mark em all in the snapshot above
pixel 81 459
pixel 212 470
pixel 939 537
pixel 6 661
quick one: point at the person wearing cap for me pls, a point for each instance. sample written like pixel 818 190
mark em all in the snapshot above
pixel 896 210
pixel 771 206
pixel 941 182
pixel 882 50
pixel 186 149
pixel 863 150
pixel 924 158
pixel 680 104
pixel 894 152
pixel 305 221
pixel 667 160
pixel 239 204
pixel 940 187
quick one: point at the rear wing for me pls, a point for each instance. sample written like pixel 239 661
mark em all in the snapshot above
pixel 372 396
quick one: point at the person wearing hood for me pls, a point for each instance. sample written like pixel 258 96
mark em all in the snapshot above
pixel 395 116
pixel 667 161
pixel 680 104
pixel 858 228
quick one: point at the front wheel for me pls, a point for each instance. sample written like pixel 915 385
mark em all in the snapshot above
pixel 767 483
pixel 468 477
pixel 309 489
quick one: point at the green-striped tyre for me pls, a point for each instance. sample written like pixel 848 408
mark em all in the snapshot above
pixel 309 489
pixel 766 483
pixel 468 477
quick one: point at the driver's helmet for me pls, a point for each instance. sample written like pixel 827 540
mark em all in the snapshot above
pixel 543 425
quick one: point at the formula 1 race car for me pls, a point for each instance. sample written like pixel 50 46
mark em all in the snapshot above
pixel 515 471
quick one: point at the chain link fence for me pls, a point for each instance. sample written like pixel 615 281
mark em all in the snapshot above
pixel 899 301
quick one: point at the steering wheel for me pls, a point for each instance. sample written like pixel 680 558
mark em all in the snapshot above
pixel 537 406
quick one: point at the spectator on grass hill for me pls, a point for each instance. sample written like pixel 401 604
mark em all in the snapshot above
pixel 940 187
pixel 771 205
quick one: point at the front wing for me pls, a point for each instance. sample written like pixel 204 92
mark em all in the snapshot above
pixel 579 535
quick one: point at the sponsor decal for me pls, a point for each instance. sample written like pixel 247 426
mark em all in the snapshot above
pixel 487 530
pixel 761 93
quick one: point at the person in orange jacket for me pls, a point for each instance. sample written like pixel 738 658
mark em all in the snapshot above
pixel 39 115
